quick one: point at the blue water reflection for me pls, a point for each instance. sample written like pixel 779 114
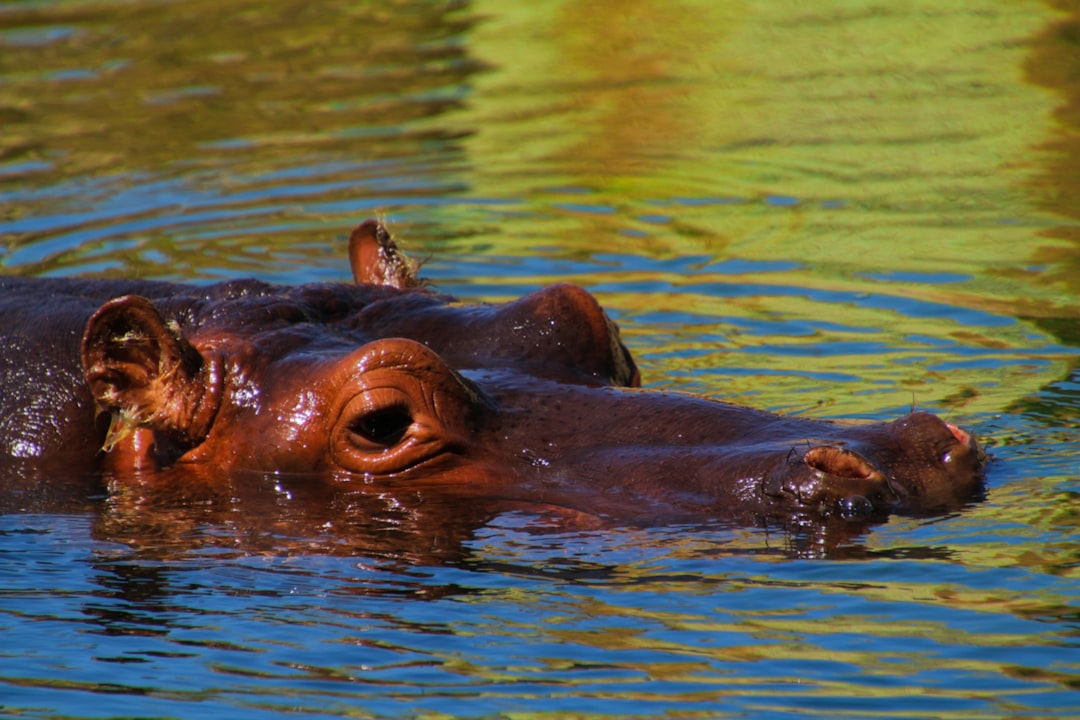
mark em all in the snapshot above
pixel 806 208
pixel 218 634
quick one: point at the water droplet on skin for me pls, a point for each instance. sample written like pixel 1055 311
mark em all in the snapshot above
pixel 855 507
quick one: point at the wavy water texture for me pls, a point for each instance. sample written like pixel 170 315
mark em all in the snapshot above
pixel 835 209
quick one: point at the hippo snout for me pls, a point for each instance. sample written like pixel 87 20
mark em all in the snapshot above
pixel 830 478
pixel 937 448
pixel 917 461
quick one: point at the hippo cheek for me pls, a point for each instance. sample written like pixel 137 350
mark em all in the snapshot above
pixel 400 410
pixel 830 479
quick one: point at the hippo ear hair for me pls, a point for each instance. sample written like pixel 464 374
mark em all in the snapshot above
pixel 146 374
pixel 375 259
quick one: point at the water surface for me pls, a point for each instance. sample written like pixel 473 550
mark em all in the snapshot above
pixel 840 210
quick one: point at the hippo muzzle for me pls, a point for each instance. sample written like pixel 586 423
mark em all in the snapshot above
pixel 918 461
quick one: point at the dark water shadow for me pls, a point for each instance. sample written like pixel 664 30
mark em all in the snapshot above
pixel 178 514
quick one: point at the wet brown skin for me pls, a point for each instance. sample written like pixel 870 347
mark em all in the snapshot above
pixel 387 383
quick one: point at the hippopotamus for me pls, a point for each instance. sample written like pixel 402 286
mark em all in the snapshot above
pixel 385 380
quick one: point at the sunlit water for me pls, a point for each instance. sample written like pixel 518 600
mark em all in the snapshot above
pixel 840 211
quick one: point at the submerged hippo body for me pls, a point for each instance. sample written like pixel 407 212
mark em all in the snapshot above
pixel 385 381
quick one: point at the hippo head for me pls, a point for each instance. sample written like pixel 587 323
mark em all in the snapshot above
pixel 535 400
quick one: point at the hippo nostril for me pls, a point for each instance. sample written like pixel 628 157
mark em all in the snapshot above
pixel 923 427
pixel 962 436
pixel 839 462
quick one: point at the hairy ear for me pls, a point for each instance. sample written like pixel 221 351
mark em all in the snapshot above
pixel 147 375
pixel 375 259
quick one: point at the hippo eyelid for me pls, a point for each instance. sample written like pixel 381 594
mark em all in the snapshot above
pixel 399 406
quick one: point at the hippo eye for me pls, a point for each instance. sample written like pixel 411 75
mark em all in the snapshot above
pixel 398 406
pixel 386 427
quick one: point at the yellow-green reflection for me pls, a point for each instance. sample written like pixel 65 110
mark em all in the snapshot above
pixel 857 142
pixel 903 174
pixel 909 152
pixel 130 87
pixel 183 139
pixel 909 118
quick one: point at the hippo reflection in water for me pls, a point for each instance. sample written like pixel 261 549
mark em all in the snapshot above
pixel 386 381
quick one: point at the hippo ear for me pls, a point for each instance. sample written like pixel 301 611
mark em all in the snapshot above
pixel 375 258
pixel 146 374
